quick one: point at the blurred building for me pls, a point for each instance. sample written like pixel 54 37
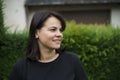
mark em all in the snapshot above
pixel 18 13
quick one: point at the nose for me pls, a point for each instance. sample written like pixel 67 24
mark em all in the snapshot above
pixel 59 33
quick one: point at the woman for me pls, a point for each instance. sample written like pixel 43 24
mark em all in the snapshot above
pixel 45 59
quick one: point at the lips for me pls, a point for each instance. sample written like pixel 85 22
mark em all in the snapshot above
pixel 57 41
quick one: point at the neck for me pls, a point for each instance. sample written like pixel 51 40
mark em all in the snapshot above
pixel 48 55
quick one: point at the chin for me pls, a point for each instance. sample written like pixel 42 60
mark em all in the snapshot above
pixel 57 47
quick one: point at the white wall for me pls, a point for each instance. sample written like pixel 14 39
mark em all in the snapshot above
pixel 29 14
pixel 14 14
pixel 115 17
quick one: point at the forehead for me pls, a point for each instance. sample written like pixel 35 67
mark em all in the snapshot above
pixel 52 21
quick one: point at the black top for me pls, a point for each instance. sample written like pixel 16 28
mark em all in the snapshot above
pixel 66 67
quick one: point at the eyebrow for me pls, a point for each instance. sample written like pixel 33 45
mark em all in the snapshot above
pixel 55 27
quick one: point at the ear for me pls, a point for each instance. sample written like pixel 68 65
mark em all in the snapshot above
pixel 36 34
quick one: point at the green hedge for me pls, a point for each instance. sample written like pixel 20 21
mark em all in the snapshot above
pixel 2 34
pixel 2 29
pixel 98 47
pixel 10 52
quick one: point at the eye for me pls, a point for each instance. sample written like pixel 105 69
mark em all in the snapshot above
pixel 53 29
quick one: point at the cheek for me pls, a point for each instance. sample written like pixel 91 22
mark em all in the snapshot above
pixel 46 36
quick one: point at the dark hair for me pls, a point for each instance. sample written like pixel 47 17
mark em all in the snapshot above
pixel 32 50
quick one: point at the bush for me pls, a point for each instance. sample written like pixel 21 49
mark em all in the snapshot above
pixel 98 47
pixel 2 34
pixel 2 29
pixel 10 52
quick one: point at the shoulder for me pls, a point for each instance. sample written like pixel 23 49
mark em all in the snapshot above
pixel 21 63
pixel 70 54
pixel 18 70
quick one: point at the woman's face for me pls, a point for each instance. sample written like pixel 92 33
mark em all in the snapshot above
pixel 50 35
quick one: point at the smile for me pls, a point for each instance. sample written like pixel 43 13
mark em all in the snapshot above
pixel 57 41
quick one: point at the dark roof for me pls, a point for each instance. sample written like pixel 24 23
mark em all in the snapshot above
pixel 63 2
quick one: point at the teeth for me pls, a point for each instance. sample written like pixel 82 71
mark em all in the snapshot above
pixel 57 41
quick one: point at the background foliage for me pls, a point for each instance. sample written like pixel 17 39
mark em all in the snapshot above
pixel 1 18
pixel 98 47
